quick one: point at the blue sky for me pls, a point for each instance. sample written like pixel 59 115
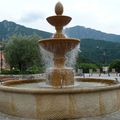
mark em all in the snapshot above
pixel 103 15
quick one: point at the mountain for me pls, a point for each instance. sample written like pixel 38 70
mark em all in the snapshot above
pixel 95 45
pixel 81 32
pixel 8 28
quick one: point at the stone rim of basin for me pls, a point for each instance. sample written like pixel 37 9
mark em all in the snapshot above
pixel 111 85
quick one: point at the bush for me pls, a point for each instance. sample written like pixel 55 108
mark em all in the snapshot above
pixel 87 66
pixel 34 70
pixel 116 65
pixel 30 70
pixel 13 71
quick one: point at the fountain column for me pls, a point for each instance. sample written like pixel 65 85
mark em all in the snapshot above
pixel 59 75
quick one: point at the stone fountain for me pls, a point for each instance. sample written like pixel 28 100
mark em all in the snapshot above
pixel 59 45
pixel 58 96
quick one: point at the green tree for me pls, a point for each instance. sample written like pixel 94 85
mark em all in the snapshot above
pixel 23 52
pixel 116 65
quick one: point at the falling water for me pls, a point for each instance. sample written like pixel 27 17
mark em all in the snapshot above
pixel 47 58
pixel 71 56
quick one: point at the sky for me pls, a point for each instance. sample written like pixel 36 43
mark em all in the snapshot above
pixel 103 15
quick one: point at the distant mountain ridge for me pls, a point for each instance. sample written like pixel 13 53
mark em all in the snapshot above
pixel 8 28
pixel 81 32
pixel 95 45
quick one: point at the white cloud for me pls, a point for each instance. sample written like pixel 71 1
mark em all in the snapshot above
pixel 98 14
pixel 31 17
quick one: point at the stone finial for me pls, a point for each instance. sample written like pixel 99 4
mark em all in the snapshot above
pixel 59 9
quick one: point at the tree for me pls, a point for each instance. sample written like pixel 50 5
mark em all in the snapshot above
pixel 116 65
pixel 23 52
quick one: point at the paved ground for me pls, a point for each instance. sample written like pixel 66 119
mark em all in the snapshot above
pixel 111 76
pixel 112 116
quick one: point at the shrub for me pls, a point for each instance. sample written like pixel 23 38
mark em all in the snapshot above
pixel 34 70
pixel 87 66
pixel 13 71
pixel 116 65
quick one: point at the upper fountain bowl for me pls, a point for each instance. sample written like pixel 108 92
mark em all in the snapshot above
pixel 59 20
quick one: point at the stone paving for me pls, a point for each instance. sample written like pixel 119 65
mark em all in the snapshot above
pixel 112 116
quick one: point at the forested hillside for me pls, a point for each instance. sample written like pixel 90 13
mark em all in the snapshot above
pixel 99 51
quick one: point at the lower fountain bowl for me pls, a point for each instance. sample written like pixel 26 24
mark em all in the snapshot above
pixel 45 102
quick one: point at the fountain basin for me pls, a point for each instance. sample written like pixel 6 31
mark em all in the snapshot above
pixel 49 103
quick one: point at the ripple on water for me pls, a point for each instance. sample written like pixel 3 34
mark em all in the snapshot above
pixel 44 85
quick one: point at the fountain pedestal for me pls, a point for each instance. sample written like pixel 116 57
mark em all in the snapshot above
pixel 59 45
pixel 60 77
